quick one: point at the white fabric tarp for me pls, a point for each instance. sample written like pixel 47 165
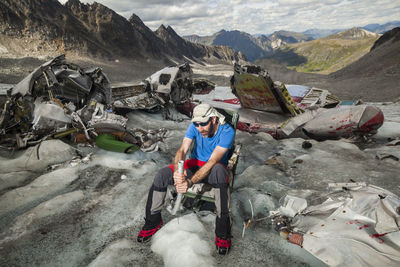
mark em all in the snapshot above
pixel 359 230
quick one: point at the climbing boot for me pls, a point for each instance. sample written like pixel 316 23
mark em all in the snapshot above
pixel 148 231
pixel 223 245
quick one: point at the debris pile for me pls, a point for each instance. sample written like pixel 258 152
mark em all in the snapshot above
pixel 286 111
pixel 60 99
pixel 169 86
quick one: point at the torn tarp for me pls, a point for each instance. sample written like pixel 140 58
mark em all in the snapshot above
pixel 359 226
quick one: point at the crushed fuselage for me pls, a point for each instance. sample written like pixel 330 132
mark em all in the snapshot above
pixel 59 99
pixel 317 114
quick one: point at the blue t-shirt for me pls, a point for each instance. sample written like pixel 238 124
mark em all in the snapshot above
pixel 205 145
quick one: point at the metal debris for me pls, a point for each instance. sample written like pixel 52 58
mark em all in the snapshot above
pixel 60 99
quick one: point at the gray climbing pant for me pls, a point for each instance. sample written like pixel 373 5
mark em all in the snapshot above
pixel 217 178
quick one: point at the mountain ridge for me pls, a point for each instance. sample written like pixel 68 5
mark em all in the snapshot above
pixel 250 45
pixel 328 54
pixel 46 27
pixel 376 74
pixel 373 77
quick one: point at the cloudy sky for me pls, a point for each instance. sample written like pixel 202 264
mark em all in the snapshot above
pixel 205 17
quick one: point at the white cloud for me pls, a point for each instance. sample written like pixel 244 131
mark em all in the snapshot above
pixel 204 17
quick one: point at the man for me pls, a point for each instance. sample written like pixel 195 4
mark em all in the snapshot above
pixel 207 163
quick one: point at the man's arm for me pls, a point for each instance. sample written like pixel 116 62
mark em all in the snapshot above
pixel 180 178
pixel 216 156
pixel 181 153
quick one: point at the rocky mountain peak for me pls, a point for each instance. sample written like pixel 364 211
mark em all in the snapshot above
pixel 354 34
pixel 175 43
pixel 168 34
pixel 94 14
pixel 115 33
pixel 172 31
pixel 134 19
pixel 392 35
pixel 26 15
pixel 161 30
pixel 74 3
pixel 36 27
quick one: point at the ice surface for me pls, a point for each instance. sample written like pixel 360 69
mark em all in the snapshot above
pixel 14 179
pixel 389 130
pixel 43 187
pixel 100 228
pixel 391 127
pixel 31 220
pixel 4 86
pixel 118 253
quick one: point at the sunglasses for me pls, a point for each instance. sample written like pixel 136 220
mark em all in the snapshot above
pixel 197 124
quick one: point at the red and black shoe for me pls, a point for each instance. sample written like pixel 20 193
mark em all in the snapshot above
pixel 223 245
pixel 147 232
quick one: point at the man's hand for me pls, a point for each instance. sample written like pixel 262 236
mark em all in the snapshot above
pixel 179 178
pixel 180 182
pixel 182 187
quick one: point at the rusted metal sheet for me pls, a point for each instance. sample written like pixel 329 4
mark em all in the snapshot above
pixel 255 92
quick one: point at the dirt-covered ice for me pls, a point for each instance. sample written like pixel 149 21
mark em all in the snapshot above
pixel 89 212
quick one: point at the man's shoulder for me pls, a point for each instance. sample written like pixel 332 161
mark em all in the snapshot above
pixel 227 126
pixel 227 129
pixel 191 131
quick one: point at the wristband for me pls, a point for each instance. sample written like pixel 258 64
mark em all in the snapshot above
pixel 190 183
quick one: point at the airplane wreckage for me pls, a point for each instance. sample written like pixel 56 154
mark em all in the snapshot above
pixel 267 106
pixel 60 99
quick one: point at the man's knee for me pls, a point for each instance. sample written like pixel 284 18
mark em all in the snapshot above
pixel 218 175
pixel 163 178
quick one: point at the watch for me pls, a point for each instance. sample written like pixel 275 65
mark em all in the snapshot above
pixel 190 183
